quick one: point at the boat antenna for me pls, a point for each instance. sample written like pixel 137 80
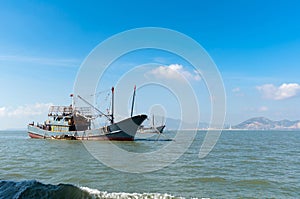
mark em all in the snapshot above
pixel 112 104
pixel 132 105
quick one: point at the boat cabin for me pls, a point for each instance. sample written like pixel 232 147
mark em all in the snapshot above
pixel 65 118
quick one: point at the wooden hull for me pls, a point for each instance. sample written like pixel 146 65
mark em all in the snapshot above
pixel 35 136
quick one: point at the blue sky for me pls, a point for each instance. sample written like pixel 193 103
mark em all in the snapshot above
pixel 255 44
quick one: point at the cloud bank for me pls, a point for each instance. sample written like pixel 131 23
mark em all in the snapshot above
pixel 18 117
pixel 175 72
pixel 26 110
pixel 263 109
pixel 284 91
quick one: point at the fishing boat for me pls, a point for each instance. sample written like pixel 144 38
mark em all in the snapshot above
pixel 156 129
pixel 74 123
pixel 151 129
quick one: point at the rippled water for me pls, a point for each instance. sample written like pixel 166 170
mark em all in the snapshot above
pixel 245 164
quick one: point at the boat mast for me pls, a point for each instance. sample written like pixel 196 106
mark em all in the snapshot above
pixel 72 103
pixel 132 105
pixel 153 121
pixel 112 104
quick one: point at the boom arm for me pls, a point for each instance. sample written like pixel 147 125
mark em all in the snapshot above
pixel 109 117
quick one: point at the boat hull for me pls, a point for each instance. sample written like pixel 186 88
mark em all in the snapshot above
pixel 124 130
pixel 35 136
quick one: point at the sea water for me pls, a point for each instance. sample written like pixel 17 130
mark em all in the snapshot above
pixel 243 164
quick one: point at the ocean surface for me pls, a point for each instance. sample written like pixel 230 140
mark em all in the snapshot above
pixel 243 164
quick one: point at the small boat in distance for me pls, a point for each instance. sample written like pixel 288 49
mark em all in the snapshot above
pixel 74 123
pixel 152 129
pixel 157 129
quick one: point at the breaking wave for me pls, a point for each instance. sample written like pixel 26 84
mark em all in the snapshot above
pixel 35 189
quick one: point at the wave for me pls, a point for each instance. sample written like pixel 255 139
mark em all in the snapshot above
pixel 35 189
pixel 254 182
pixel 202 180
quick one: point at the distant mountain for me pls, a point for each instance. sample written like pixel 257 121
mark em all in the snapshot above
pixel 257 123
pixel 262 123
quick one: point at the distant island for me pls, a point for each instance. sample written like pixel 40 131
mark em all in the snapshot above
pixel 256 123
pixel 262 123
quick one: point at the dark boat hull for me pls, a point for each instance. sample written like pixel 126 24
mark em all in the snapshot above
pixel 124 130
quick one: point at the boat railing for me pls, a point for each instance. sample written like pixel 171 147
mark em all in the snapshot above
pixel 68 110
pixel 60 110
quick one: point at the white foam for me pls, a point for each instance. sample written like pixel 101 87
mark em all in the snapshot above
pixel 90 191
pixel 103 194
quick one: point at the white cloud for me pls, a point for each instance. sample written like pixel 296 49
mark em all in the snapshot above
pixel 263 109
pixel 285 91
pixel 176 72
pixel 238 92
pixel 26 110
pixel 2 111
pixel 19 117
